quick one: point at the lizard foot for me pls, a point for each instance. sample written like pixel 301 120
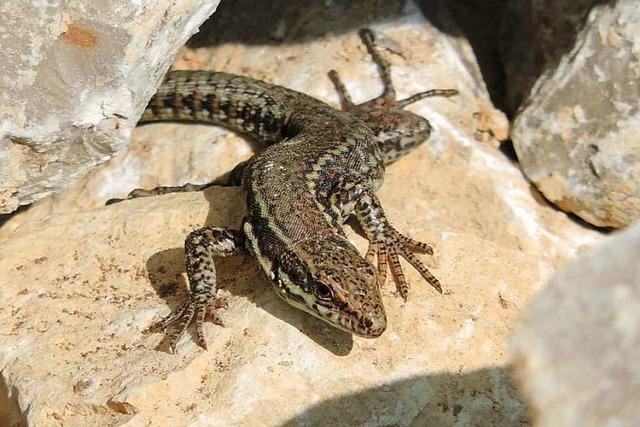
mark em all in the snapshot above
pixel 192 308
pixel 388 247
pixel 201 246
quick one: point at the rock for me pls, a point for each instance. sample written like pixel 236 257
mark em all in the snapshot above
pixel 470 188
pixel 75 80
pixel 85 300
pixel 535 34
pixel 576 345
pixel 74 311
pixel 576 138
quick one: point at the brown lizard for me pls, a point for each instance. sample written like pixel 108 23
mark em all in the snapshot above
pixel 320 166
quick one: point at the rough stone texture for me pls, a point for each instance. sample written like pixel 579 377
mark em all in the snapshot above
pixel 577 137
pixel 74 80
pixel 535 34
pixel 79 282
pixel 73 348
pixel 576 345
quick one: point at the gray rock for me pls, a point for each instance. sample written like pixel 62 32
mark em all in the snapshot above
pixel 577 344
pixel 74 81
pixel 577 136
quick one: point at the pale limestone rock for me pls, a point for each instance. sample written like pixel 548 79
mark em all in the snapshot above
pixel 74 80
pixel 82 281
pixel 576 139
pixel 576 345
pixel 78 290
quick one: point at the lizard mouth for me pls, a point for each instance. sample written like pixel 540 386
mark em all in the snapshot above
pixel 365 326
pixel 352 321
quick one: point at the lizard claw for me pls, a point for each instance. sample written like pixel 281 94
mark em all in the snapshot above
pixel 212 314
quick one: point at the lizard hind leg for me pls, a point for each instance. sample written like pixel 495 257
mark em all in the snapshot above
pixel 345 99
pixel 201 246
pixel 140 192
pixel 232 179
pixel 398 131
pixel 368 38
pixel 389 92
pixel 389 245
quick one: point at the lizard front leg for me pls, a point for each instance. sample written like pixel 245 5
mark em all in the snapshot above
pixel 388 244
pixel 201 246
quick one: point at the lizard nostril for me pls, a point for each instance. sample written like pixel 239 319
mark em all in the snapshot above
pixel 373 326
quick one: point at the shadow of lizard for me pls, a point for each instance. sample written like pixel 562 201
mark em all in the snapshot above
pixel 238 275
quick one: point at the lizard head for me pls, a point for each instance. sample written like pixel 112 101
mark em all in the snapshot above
pixel 399 131
pixel 329 279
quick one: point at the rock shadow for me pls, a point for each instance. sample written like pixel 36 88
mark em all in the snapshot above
pixel 495 29
pixel 260 22
pixel 6 217
pixel 484 397
pixel 513 42
pixel 11 414
pixel 477 21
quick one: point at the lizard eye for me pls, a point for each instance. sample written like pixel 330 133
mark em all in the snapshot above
pixel 323 291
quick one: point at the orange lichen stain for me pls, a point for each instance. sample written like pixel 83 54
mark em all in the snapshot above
pixel 80 36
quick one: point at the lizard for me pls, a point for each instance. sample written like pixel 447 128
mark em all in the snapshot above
pixel 320 166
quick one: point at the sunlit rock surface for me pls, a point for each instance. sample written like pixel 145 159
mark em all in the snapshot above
pixel 576 137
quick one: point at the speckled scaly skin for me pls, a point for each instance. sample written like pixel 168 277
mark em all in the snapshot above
pixel 320 166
